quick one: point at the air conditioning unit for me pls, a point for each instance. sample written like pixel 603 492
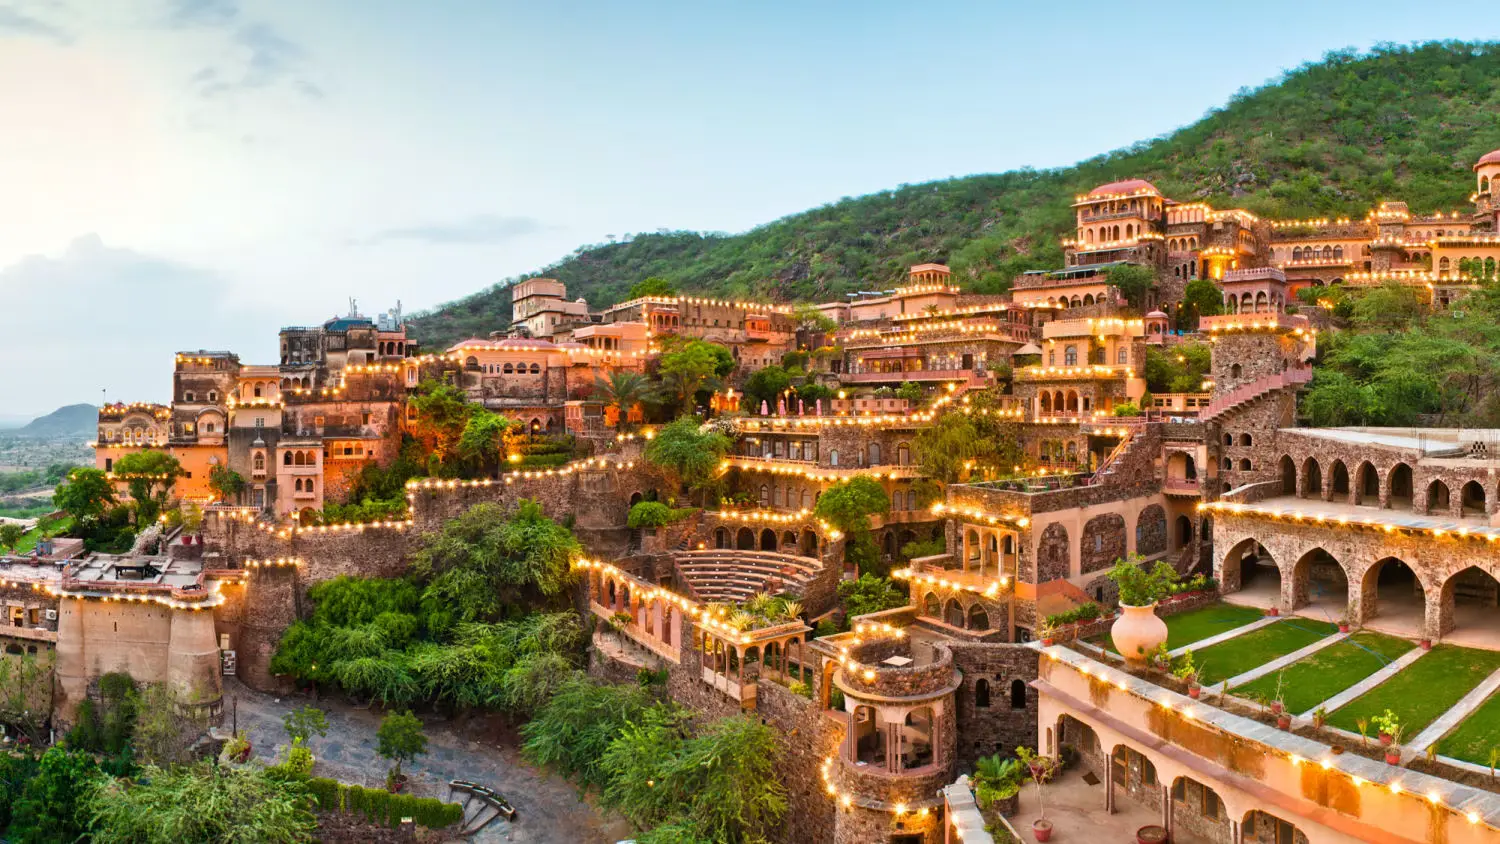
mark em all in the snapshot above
pixel 51 615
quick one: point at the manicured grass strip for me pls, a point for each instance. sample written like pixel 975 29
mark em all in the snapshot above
pixel 1196 625
pixel 1422 691
pixel 1474 737
pixel 1308 682
pixel 1258 647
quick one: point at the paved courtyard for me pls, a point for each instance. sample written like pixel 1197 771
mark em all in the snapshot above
pixel 548 807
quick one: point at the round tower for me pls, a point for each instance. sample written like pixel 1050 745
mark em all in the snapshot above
pixel 1486 174
pixel 1156 328
pixel 901 745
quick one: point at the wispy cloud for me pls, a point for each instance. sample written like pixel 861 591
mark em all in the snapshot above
pixel 15 22
pixel 482 230
pixel 270 60
pixel 186 13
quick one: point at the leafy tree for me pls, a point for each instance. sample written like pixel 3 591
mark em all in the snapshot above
pixel 651 514
pixel 11 535
pixel 303 723
pixel 622 390
pixel 959 445
pixel 1133 282
pixel 635 764
pixel 226 483
pixel 1200 298
pixel 766 385
pixel 166 725
pixel 53 806
pixel 85 495
pixel 870 594
pixel 479 450
pixel 691 452
pixel 149 475
pixel 484 561
pixel 26 695
pixel 16 771
pixel 1178 369
pixel 652 286
pixel 809 317
pixel 575 728
pixel 909 391
pixel 400 739
pixel 442 415
pixel 693 368
pixel 1390 306
pixel 728 775
pixel 848 505
pixel 202 802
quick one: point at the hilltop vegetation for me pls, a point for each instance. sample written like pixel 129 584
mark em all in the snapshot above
pixel 1328 138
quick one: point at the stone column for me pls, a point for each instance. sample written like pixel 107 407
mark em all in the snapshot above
pixel 1439 616
pixel 1109 784
pixel 1361 600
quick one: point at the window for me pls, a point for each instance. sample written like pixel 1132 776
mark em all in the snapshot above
pixel 188 396
pixel 1120 356
pixel 982 694
pixel 1018 694
pixel 366 418
pixel 213 395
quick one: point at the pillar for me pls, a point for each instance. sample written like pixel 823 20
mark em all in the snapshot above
pixel 1361 600
pixel 1439 616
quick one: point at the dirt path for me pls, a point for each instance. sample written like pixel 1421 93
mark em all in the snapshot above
pixel 548 807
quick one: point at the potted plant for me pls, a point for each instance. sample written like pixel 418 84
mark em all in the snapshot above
pixel 1277 704
pixel 1047 631
pixel 1426 644
pixel 1151 834
pixel 1188 673
pixel 997 781
pixel 1139 632
pixel 1041 769
pixel 1347 619
pixel 1273 611
pixel 1364 731
pixel 1319 716
pixel 1388 726
pixel 1161 658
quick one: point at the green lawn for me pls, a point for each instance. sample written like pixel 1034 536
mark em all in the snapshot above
pixel 1478 733
pixel 1308 682
pixel 1197 625
pixel 1258 647
pixel 1423 691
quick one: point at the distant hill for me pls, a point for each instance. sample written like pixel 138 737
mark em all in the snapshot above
pixel 73 420
pixel 1330 138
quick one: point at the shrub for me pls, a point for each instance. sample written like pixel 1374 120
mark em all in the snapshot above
pixel 800 688
pixel 1083 612
pixel 382 807
pixel 652 514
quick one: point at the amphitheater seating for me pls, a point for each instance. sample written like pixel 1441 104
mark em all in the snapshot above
pixel 724 574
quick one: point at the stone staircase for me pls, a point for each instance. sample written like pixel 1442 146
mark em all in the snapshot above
pixel 1243 395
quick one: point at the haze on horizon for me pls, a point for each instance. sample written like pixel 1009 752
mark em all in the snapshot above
pixel 184 174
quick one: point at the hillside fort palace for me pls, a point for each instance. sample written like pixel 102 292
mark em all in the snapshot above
pixel 1388 531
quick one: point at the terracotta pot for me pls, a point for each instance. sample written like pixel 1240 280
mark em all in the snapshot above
pixel 1426 644
pixel 1276 707
pixel 1048 641
pixel 1273 611
pixel 1138 632
pixel 1393 757
pixel 1386 739
pixel 1343 628
pixel 1042 830
pixel 1283 721
pixel 1193 691
pixel 1151 834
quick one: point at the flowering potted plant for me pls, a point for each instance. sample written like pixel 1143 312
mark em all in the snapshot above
pixel 1041 768
pixel 1047 632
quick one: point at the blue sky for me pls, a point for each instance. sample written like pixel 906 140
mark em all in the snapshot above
pixel 182 174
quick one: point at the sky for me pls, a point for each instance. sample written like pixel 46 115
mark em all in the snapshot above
pixel 186 174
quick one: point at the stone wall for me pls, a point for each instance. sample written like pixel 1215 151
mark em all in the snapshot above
pixel 1151 531
pixel 1103 541
pixel 807 738
pixel 997 727
pixel 1053 556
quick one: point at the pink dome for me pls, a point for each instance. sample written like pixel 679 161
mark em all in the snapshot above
pixel 1128 186
pixel 1492 157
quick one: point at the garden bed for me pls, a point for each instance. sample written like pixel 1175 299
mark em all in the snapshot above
pixel 1310 681
pixel 1475 735
pixel 1258 647
pixel 1422 691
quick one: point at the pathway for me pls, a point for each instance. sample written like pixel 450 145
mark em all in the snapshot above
pixel 548 807
pixel 1283 661
pixel 1368 683
pixel 1450 719
pixel 1225 636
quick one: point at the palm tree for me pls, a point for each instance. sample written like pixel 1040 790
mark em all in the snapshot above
pixel 622 390
pixel 678 388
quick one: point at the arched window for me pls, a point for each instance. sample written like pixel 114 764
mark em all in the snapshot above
pixel 508 369
pixel 1070 356
pixel 1018 694
pixel 286 459
pixel 873 454
pixel 1235 370
pixel 260 462
pixel 833 457
pixel 982 694
pixel 536 369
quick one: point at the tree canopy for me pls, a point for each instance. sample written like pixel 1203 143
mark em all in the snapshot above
pixel 691 452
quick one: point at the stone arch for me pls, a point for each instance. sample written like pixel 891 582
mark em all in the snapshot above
pixel 1263 826
pixel 1018 694
pixel 1367 485
pixel 1151 530
pixel 872 454
pixel 978 618
pixel 1472 499
pixel 1244 565
pixel 1102 543
pixel 1312 479
pixel 1467 599
pixel 1338 481
pixel 931 606
pixel 888 543
pixel 744 539
pixel 1318 578
pixel 1438 500
pixel 982 693
pixel 789 542
pixel 721 537
pixel 1053 554
pixel 809 543
pixel 768 540
pixel 1184 534
pixel 918 749
pixel 1399 486
pixel 1181 466
pixel 1286 470
pixel 953 614
pixel 1391 588
pixel 1246 465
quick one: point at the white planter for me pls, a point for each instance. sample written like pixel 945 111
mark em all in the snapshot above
pixel 1138 632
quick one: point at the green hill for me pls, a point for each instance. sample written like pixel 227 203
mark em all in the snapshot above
pixel 1329 138
pixel 74 420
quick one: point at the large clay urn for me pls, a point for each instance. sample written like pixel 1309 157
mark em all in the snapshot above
pixel 1138 632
